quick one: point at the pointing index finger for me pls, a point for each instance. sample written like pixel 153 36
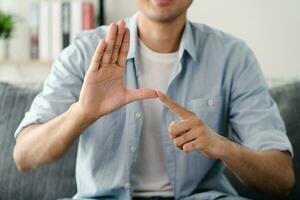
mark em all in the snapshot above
pixel 172 105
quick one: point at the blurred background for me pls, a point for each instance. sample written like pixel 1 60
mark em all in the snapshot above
pixel 41 29
pixel 33 32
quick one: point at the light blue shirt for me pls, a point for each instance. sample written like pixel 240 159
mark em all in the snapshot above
pixel 217 77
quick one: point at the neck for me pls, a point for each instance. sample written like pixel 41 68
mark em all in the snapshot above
pixel 161 37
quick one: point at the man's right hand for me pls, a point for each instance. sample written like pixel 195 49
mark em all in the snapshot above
pixel 104 89
pixel 103 92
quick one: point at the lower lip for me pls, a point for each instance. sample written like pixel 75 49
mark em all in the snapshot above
pixel 161 2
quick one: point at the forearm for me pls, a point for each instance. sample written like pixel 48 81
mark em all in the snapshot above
pixel 38 145
pixel 270 172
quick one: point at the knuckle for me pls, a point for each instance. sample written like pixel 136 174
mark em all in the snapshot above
pixel 170 134
pixel 113 60
pixel 186 148
pixel 121 62
pixel 196 121
pixel 177 142
pixel 112 39
pixel 96 60
pixel 183 138
pixel 114 57
pixel 172 129
pixel 105 65
pixel 123 53
pixel 117 47
pixel 109 51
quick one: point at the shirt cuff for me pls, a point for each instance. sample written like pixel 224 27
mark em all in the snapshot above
pixel 29 119
pixel 269 140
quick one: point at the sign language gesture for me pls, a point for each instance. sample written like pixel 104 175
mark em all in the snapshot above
pixel 191 133
pixel 104 90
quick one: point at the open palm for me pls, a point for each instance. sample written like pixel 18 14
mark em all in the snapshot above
pixel 104 89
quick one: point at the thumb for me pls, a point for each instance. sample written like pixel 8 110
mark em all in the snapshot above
pixel 139 94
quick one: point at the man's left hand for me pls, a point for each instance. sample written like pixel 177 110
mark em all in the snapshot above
pixel 191 133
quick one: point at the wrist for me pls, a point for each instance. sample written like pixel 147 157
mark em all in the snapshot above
pixel 81 115
pixel 227 150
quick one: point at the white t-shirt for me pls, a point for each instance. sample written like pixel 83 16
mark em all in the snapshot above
pixel 150 175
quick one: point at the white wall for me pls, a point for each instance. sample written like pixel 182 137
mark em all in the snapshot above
pixel 117 9
pixel 270 27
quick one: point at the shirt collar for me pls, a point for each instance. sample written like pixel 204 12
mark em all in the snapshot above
pixel 187 42
pixel 132 25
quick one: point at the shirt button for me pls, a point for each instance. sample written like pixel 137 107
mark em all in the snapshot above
pixel 138 115
pixel 132 149
pixel 210 102
pixel 127 186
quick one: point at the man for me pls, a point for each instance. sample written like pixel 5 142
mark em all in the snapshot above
pixel 141 149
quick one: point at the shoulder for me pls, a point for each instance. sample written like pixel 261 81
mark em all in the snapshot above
pixel 216 35
pixel 90 38
pixel 97 33
pixel 218 40
pixel 84 44
pixel 225 46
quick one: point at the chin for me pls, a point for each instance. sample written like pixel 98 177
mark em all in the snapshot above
pixel 163 10
pixel 164 14
pixel 163 17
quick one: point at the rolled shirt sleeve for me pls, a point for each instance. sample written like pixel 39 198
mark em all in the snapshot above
pixel 60 90
pixel 253 114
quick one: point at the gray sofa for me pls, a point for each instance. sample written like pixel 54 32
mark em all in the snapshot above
pixel 57 180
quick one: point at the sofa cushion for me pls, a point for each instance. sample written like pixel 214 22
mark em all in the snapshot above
pixel 48 183
pixel 287 98
pixel 57 180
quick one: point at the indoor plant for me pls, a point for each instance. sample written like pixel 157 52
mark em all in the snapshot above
pixel 6 29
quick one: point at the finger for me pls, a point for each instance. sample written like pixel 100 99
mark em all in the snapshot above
pixel 110 41
pixel 118 42
pixel 190 146
pixel 177 128
pixel 139 94
pixel 98 55
pixel 172 105
pixel 185 138
pixel 124 48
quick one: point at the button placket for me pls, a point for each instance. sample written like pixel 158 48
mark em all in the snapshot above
pixel 138 115
pixel 132 149
pixel 211 102
pixel 127 186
